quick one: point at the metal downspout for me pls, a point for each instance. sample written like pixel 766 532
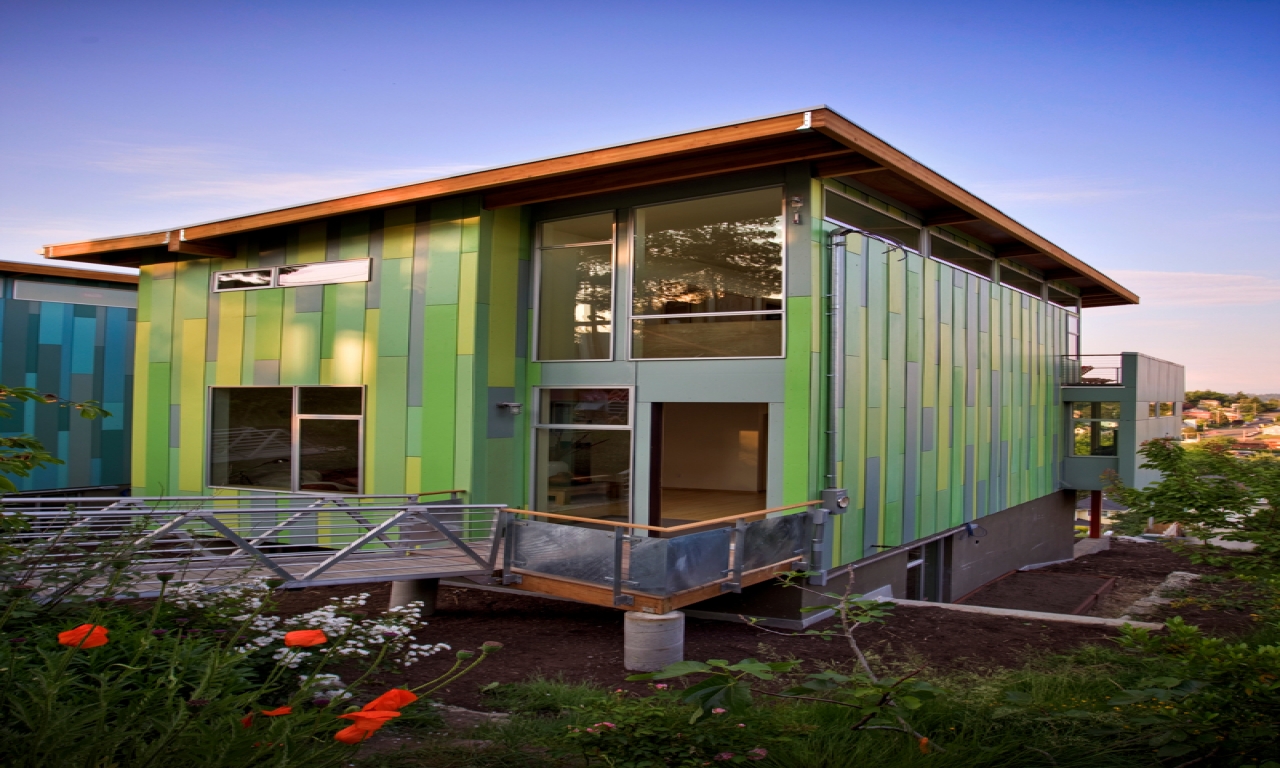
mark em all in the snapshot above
pixel 835 352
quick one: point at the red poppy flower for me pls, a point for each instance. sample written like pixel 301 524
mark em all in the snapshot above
pixel 364 725
pixel 84 636
pixel 391 701
pixel 247 720
pixel 278 711
pixel 304 638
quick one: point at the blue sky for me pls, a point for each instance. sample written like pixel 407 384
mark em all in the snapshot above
pixel 1142 137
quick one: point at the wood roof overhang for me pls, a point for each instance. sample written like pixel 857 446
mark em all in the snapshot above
pixel 63 270
pixel 833 145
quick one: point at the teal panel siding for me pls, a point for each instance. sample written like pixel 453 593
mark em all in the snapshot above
pixel 78 352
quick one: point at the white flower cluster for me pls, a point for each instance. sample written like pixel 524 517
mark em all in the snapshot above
pixel 324 686
pixel 352 636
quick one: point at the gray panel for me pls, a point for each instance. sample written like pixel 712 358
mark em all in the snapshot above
pixel 584 554
pixel 968 483
pixel 308 298
pixel 1002 500
pixel 928 428
pixel 524 285
pixel 984 504
pixel 871 514
pixel 332 240
pixel 30 290
pixel 501 422
pixel 603 373
pixel 697 559
pixel 175 425
pixel 373 294
pixel 417 306
pixel 100 327
pixel 799 258
pixel 865 270
pixel 13 353
pixel 777 449
pixel 710 381
pixel 911 447
pixel 266 372
pixel 774 540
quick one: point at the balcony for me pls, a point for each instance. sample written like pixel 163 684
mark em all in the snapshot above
pixel 1093 371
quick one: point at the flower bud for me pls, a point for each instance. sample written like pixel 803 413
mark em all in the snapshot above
pixel 489 646
pixel 165 576
pixel 275 583
pixel 465 654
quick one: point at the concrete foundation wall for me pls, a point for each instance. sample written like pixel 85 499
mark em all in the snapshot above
pixel 1038 531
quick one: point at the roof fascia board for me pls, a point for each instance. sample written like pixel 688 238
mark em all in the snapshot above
pixel 24 268
pixel 832 124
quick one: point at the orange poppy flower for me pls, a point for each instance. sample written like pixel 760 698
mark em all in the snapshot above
pixel 278 711
pixel 247 720
pixel 84 636
pixel 304 638
pixel 391 701
pixel 364 725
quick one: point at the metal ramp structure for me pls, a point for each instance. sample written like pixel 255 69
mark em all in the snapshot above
pixel 319 540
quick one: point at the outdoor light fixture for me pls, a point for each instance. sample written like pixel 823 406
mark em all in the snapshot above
pixel 796 204
pixel 514 408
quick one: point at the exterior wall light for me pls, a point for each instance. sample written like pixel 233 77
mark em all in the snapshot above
pixel 796 204
pixel 513 408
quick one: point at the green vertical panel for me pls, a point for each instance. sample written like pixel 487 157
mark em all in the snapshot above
pixel 353 242
pixel 230 309
pixel 396 291
pixel 445 252
pixel 464 434
pixel 439 388
pixel 329 322
pixel 247 356
pixel 504 272
pixel 269 327
pixel 300 348
pixel 349 338
pixel 161 312
pixel 796 467
pixel 413 431
pixel 191 369
pixel 157 428
pixel 312 238
pixel 389 425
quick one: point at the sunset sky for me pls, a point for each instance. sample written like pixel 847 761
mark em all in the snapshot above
pixel 1142 137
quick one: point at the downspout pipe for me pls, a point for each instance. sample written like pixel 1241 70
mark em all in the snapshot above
pixel 835 350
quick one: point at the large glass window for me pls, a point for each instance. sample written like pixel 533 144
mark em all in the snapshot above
pixel 1095 427
pixel 958 254
pixel 583 453
pixel 708 277
pixel 856 213
pixel 286 438
pixel 575 288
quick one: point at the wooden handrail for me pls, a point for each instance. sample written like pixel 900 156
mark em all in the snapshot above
pixel 672 529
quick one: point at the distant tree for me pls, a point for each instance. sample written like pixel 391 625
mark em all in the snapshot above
pixel 1210 493
pixel 20 455
pixel 1196 395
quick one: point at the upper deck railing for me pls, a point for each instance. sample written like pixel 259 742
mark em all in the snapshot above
pixel 1092 370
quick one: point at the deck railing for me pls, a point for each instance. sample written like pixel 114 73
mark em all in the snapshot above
pixel 632 559
pixel 1092 370
pixel 302 540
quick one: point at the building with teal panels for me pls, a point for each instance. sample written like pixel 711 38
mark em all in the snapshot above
pixel 69 332
pixel 744 320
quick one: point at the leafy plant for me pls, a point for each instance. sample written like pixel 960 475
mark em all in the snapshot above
pixel 22 454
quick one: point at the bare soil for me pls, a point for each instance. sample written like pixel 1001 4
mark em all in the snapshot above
pixel 1050 592
pixel 577 642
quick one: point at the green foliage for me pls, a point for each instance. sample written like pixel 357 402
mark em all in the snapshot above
pixel 22 454
pixel 630 731
pixel 726 686
pixel 1211 493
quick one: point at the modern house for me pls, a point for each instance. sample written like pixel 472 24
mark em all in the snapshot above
pixel 661 333
pixel 69 331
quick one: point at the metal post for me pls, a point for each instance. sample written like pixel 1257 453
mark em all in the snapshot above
pixel 1095 514
pixel 419 590
pixel 619 539
pixel 734 584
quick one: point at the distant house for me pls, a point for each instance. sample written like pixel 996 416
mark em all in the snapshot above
pixel 69 331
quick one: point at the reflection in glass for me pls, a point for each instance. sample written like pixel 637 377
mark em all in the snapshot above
pixel 715 254
pixel 714 336
pixel 1166 409
pixel 329 455
pixel 609 407
pixel 324 273
pixel 331 401
pixel 584 473
pixel 597 228
pixel 1095 410
pixel 250 443
pixel 1095 438
pixel 242 280
pixel 575 300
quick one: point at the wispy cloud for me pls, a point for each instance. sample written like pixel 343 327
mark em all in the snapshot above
pixel 1198 288
pixel 217 175
pixel 1063 189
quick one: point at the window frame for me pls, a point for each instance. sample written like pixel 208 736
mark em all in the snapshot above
pixel 536 424
pixel 536 302
pixel 920 228
pixel 295 423
pixel 275 276
pixel 1073 420
pixel 633 249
